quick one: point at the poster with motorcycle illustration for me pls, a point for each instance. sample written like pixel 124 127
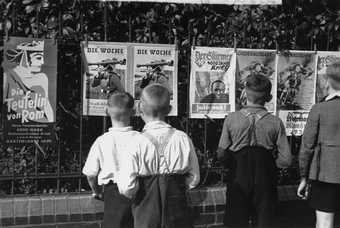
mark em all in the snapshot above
pixel 104 72
pixel 262 62
pixel 325 59
pixel 212 80
pixel 155 63
pixel 296 88
pixel 29 91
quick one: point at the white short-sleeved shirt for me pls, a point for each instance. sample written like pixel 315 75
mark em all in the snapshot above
pixel 104 158
pixel 179 154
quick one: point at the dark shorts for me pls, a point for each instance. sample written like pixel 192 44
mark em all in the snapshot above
pixel 117 208
pixel 325 196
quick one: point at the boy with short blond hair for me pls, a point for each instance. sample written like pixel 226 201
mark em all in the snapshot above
pixel 163 169
pixel 251 139
pixel 320 153
pixel 104 161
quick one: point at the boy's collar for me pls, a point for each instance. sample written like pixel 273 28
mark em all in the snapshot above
pixel 121 129
pixel 332 95
pixel 155 125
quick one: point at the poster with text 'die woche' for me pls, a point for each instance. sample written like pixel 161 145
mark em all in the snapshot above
pixel 154 63
pixel 104 72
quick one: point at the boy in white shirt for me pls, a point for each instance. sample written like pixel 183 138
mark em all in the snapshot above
pixel 104 161
pixel 162 169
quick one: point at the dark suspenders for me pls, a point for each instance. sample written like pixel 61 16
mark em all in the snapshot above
pixel 253 118
pixel 161 146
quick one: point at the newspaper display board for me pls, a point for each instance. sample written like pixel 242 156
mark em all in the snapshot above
pixel 325 58
pixel 212 82
pixel 104 72
pixel 154 63
pixel 252 61
pixel 296 89
pixel 30 91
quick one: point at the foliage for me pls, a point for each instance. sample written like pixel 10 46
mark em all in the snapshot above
pixel 296 24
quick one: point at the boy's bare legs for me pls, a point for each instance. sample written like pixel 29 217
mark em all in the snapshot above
pixel 324 219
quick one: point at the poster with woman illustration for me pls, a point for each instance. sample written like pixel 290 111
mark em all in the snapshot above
pixel 30 80
pixel 325 58
pixel 296 88
pixel 212 90
pixel 250 62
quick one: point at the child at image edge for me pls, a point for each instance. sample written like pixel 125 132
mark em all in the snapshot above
pixel 319 157
pixel 251 140
pixel 165 166
pixel 104 161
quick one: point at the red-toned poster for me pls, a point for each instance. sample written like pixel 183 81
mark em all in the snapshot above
pixel 30 81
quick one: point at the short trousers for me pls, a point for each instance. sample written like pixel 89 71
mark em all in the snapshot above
pixel 325 196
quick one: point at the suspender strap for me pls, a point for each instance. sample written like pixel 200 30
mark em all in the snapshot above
pixel 253 118
pixel 161 145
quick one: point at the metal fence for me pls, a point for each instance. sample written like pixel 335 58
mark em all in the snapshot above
pixel 56 169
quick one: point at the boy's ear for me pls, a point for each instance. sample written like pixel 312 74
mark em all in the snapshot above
pixel 269 98
pixel 107 111
pixel 169 109
pixel 133 112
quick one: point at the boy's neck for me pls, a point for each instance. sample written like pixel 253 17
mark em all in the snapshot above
pixel 116 123
pixel 249 103
pixel 148 119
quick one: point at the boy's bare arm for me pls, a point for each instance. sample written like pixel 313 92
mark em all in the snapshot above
pixel 193 178
pixel 309 141
pixel 96 189
pixel 284 158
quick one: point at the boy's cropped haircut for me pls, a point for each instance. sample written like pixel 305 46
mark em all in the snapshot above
pixel 121 100
pixel 156 100
pixel 333 73
pixel 258 88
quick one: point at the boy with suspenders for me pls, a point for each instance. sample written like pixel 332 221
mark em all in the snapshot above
pixel 165 166
pixel 252 139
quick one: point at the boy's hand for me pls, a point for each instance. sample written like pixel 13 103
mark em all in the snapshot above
pixel 98 196
pixel 301 192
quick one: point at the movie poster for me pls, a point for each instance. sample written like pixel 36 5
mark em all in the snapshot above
pixel 262 62
pixel 104 72
pixel 324 60
pixel 212 80
pixel 296 88
pixel 155 63
pixel 29 95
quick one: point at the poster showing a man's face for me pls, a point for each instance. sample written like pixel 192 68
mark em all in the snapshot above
pixel 218 88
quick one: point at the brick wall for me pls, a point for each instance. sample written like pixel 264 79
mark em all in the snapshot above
pixel 82 211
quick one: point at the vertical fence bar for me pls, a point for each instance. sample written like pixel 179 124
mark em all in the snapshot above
pixel 36 35
pixel 6 39
pixel 328 41
pixel 188 79
pixel 105 39
pixel 60 32
pixel 81 94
